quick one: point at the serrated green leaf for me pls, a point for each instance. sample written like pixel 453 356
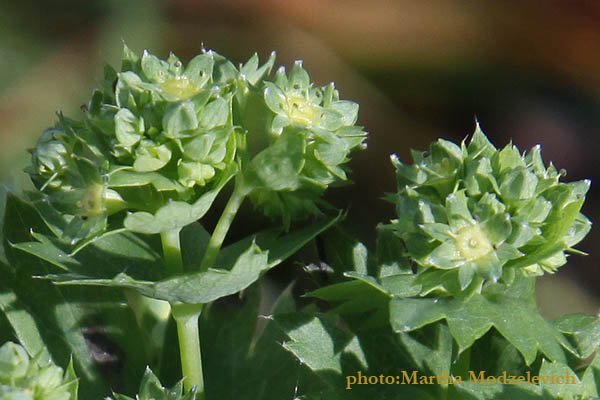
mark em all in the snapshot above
pixel 126 178
pixel 175 214
pixel 72 382
pixel 227 330
pixel 280 246
pixel 239 358
pixel 367 295
pixel 333 354
pixel 498 391
pixel 561 382
pixel 517 319
pixel 430 349
pixel 42 315
pixel 591 377
pixel 505 356
pixel 108 255
pixel 391 257
pixel 584 329
pixel 242 266
pixel 317 344
pixel 194 288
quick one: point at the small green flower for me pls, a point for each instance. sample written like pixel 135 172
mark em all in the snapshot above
pixel 169 119
pixel 312 133
pixel 484 212
pixel 22 378
pixel 296 102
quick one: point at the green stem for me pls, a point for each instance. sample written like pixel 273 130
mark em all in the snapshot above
pixel 216 240
pixel 186 318
pixel 172 251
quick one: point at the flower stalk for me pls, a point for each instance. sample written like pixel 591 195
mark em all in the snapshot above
pixel 186 318
pixel 172 251
pixel 216 240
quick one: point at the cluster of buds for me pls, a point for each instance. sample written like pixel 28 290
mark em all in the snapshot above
pixel 22 378
pixel 158 133
pixel 475 211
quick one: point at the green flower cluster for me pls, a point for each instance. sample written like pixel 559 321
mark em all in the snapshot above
pixel 312 134
pixel 155 133
pixel 160 140
pixel 22 378
pixel 471 213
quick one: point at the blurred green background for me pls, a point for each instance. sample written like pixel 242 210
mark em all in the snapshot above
pixel 528 70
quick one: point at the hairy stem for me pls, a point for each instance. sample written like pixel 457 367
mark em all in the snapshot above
pixel 218 236
pixel 186 318
pixel 172 251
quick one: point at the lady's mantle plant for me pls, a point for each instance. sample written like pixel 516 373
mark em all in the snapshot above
pixel 158 143
pixel 448 291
